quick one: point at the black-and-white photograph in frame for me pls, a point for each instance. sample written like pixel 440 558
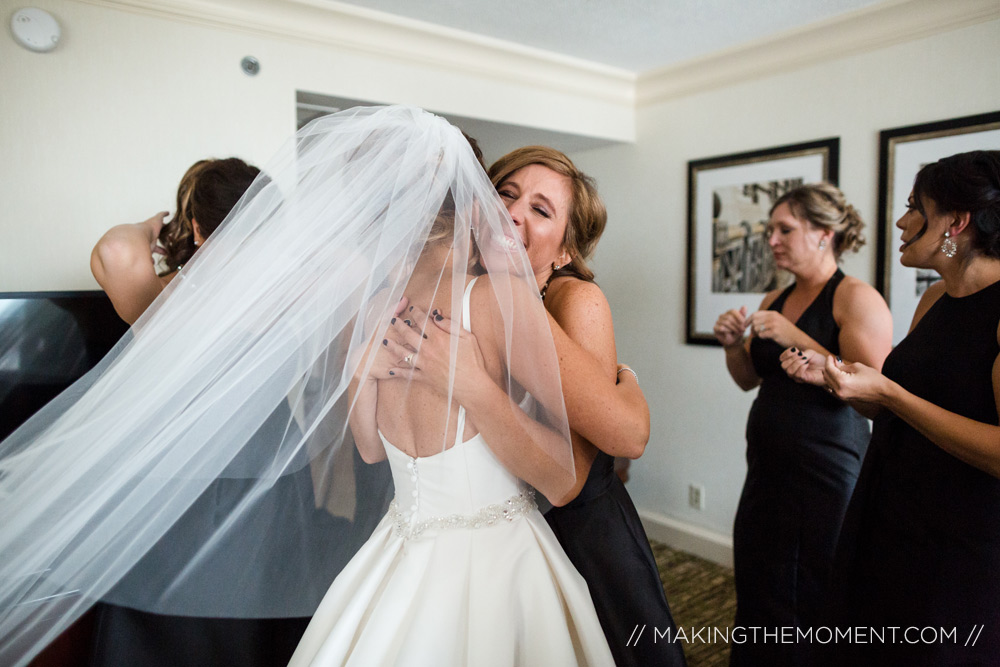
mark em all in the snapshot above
pixel 902 152
pixel 729 200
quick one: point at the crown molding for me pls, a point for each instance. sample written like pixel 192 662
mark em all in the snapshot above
pixel 393 38
pixel 868 29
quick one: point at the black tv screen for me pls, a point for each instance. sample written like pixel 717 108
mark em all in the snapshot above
pixel 47 341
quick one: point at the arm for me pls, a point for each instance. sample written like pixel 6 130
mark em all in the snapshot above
pixel 613 417
pixel 865 336
pixel 122 263
pixel 865 323
pixel 362 396
pixel 526 447
pixel 728 330
pixel 975 443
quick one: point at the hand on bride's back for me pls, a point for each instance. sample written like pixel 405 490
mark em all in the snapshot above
pixel 429 339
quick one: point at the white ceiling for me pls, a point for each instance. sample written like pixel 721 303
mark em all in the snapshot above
pixel 635 35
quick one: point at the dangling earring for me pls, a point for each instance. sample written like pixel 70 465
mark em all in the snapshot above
pixel 822 244
pixel 948 246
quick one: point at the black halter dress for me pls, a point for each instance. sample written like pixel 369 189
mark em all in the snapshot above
pixel 920 546
pixel 804 452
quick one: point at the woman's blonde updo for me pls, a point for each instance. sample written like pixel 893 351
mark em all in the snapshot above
pixel 587 215
pixel 824 205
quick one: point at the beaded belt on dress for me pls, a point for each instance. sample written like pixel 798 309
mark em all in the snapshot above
pixel 508 510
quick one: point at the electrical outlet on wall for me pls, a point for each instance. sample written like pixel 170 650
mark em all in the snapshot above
pixel 696 496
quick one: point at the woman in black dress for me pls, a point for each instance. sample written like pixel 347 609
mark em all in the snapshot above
pixel 920 546
pixel 560 218
pixel 145 620
pixel 804 447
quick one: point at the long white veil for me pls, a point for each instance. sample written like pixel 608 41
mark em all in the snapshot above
pixel 205 467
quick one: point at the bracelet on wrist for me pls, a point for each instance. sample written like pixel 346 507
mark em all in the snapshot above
pixel 628 370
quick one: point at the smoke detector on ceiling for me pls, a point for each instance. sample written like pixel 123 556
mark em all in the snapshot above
pixel 35 29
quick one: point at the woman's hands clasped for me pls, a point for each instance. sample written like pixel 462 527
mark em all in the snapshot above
pixel 804 366
pixel 765 324
pixel 854 382
pixel 730 326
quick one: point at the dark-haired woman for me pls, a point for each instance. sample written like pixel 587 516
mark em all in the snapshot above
pixel 804 447
pixel 920 547
pixel 125 260
pixel 143 621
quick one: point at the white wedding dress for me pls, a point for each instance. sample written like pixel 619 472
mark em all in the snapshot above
pixel 462 571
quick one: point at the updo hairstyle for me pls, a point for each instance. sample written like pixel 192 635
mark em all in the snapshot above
pixel 823 205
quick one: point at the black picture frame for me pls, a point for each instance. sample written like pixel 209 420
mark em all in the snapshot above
pixel 726 265
pixel 902 151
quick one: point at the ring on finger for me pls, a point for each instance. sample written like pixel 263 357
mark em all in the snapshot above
pixel 408 359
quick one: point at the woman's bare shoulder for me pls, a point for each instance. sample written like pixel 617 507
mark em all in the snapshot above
pixel 570 298
pixel 855 294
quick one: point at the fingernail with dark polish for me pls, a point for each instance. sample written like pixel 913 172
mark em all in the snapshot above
pixel 794 350
pixel 391 373
pixel 839 360
pixel 434 312
pixel 411 309
pixel 407 323
pixel 385 341
pixel 438 318
pixel 424 335
pixel 392 321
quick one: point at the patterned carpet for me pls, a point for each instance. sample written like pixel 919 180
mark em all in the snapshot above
pixel 702 596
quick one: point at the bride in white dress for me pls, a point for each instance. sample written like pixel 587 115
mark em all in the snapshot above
pixel 463 569
pixel 283 311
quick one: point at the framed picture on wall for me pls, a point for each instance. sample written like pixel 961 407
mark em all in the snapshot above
pixel 902 152
pixel 729 199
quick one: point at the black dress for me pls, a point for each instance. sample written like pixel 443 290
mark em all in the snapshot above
pixel 603 537
pixel 921 542
pixel 192 635
pixel 804 452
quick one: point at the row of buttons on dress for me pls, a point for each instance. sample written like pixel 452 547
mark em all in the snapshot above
pixel 411 465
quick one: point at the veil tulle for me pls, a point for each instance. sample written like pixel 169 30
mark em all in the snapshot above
pixel 206 467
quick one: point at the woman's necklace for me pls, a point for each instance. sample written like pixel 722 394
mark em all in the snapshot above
pixel 545 287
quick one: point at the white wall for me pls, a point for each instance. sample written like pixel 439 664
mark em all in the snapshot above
pixel 698 413
pixel 99 131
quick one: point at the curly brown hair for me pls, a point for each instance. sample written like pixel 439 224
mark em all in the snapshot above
pixel 207 192
pixel 824 205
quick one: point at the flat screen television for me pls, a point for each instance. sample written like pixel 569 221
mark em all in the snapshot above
pixel 47 341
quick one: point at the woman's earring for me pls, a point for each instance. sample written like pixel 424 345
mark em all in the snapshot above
pixel 822 244
pixel 948 246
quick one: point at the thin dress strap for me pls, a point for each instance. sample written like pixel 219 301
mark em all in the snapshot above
pixel 467 325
